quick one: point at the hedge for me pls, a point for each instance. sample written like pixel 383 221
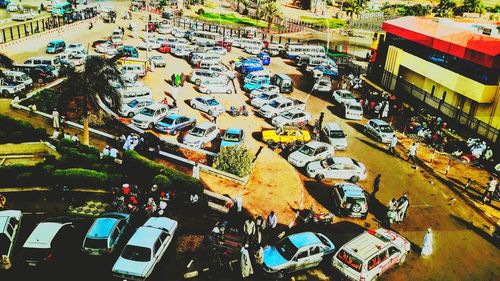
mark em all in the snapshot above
pixel 17 131
pixel 78 177
pixel 46 100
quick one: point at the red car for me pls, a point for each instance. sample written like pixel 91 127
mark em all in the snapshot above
pixel 225 44
pixel 151 27
pixel 165 48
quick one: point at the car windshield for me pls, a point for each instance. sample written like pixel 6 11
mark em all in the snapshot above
pixel 274 104
pixel 327 162
pixel 136 253
pixel 167 120
pixel 50 45
pixel 337 134
pixel 157 58
pixel 355 162
pixel 385 129
pixel 96 243
pixel 133 103
pixel 307 150
pixel 232 137
pixel 148 112
pixel 286 248
pixel 264 96
pixel 347 96
pixel 355 108
pixel 287 115
pixel 350 260
pixel 197 131
pixel 212 102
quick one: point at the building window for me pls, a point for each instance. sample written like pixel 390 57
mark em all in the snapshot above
pixel 443 97
pixel 433 89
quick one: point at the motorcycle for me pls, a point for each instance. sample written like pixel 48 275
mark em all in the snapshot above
pixel 233 111
pixel 308 216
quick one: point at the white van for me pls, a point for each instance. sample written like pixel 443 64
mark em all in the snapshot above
pixel 370 254
pixel 18 76
pixel 52 61
pixel 206 64
pixel 197 57
pixel 135 93
pixel 136 69
pixel 257 75
pixel 353 110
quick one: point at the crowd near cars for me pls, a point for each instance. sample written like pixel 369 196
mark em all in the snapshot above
pixel 269 93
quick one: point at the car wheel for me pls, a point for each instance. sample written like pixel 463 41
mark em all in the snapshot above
pixel 193 106
pixel 354 179
pixel 40 80
pixel 174 133
pixel 229 91
pixel 379 139
pixel 320 177
pixel 281 275
pixel 356 208
pixel 5 93
pixel 197 82
pixel 193 124
pixel 209 92
pixel 210 112
pixel 130 114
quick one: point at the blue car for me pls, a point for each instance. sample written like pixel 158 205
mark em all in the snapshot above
pixel 105 233
pixel 265 58
pixel 232 137
pixel 239 64
pixel 174 123
pixel 296 252
pixel 256 83
pixel 251 67
pixel 331 72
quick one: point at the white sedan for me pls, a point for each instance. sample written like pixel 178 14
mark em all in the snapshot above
pixel 202 134
pixel 253 50
pixel 151 44
pixel 311 151
pixel 159 61
pixel 217 50
pixel 292 117
pixel 343 96
pixel 145 249
pixel 207 104
pixel 264 89
pixel 106 48
pixel 216 86
pixel 337 168
pixel 165 29
pixel 264 99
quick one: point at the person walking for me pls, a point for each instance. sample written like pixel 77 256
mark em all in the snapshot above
pixel 376 185
pixel 196 171
pixel 183 79
pixel 402 209
pixel 393 144
pixel 320 120
pixel 246 264
pixel 427 245
pixel 272 220
pixel 490 190
pixel 173 80
pixel 55 118
pixel 177 80
pixel 214 118
pixel 412 154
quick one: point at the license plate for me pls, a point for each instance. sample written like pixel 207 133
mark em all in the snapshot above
pixel 32 264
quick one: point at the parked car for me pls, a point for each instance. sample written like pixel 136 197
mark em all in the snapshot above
pixel 323 84
pixel 280 105
pixel 106 48
pixel 151 44
pixel 337 167
pixel 222 69
pixel 145 249
pixel 174 123
pixel 53 241
pixel 198 76
pixel 294 117
pixel 232 137
pixel 253 50
pixel 130 109
pixel 353 110
pixel 350 200
pixel 296 252
pixel 264 89
pixel 380 130
pixel 158 61
pixel 256 83
pixel 149 116
pixel 9 88
pixel 134 69
pixel 286 134
pixel 309 152
pixel 56 46
pixel 201 135
pixel 263 99
pixel 75 47
pixel 165 29
pixel 207 104
pixel 335 136
pixel 38 73
pixel 332 73
pixel 343 96
pixel 105 233
pixel 216 86
pixel 19 76
pixel 217 50
pixel 10 222
pixel 382 250
pixel 116 39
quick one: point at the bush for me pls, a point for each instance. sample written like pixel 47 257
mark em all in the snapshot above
pixel 9 174
pixel 17 131
pixel 200 12
pixel 46 100
pixel 78 177
pixel 235 160
pixel 163 182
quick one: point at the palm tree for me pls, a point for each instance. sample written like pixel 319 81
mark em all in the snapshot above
pixel 445 8
pixel 92 85
pixel 6 62
pixel 270 11
pixel 473 6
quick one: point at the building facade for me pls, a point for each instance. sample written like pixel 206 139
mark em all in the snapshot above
pixel 447 68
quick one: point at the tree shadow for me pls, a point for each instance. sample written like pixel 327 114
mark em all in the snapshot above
pixel 375 146
pixel 321 192
pixel 477 230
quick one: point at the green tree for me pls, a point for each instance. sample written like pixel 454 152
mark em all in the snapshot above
pixel 246 4
pixel 92 84
pixel 235 160
pixel 473 6
pixel 445 8
pixel 270 12
pixel 6 62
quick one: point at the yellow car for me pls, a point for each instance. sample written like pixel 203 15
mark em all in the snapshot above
pixel 286 134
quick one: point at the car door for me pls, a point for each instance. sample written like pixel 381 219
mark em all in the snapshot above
pixel 335 170
pixel 210 134
pixel 315 255
pixel 302 260
pixel 321 152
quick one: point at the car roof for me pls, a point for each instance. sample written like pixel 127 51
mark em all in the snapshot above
pixel 145 236
pixel 234 130
pixel 102 227
pixel 351 189
pixel 316 144
pixel 206 98
pixel 282 99
pixel 156 105
pixel 342 159
pixel 56 41
pixel 205 125
pixel 378 122
pixel 333 127
pixel 366 245
pixel 173 116
pixel 343 91
pixel 304 239
pixel 295 110
pixel 283 76
pixel 42 235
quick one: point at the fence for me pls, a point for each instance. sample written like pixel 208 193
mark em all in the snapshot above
pixel 29 28
pixel 373 24
pixel 422 99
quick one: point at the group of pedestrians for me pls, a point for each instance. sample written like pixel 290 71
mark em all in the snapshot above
pixel 178 80
pixel 152 202
pixel 398 209
pixel 131 141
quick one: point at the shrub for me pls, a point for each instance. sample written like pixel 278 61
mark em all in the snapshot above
pixel 235 160
pixel 46 100
pixel 9 174
pixel 163 182
pixel 200 12
pixel 17 131
pixel 78 177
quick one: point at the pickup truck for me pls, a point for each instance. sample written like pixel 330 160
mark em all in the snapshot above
pixel 280 105
pixel 11 88
pixel 287 134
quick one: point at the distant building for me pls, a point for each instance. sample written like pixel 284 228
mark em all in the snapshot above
pixel 451 67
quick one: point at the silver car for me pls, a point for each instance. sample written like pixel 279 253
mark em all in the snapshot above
pixel 380 130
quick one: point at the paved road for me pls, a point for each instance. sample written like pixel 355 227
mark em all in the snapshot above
pixel 460 250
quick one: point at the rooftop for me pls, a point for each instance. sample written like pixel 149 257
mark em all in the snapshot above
pixel 303 239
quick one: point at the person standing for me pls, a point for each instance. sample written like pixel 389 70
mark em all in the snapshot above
pixel 320 120
pixel 376 185
pixel 55 118
pixel 75 138
pixel 272 220
pixel 173 80
pixel 214 118
pixel 393 144
pixel 248 230
pixel 412 154
pixel 259 228
pixel 385 111
pixel 246 264
pixel 177 80
pixel 402 209
pixel 196 171
pixel 427 246
pixel 106 151
pixel 183 79
pixel 391 211
pixel 492 185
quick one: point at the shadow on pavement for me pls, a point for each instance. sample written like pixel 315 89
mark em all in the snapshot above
pixel 477 230
pixel 322 193
pixel 356 126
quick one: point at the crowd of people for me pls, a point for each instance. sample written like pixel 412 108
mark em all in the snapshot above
pixel 398 209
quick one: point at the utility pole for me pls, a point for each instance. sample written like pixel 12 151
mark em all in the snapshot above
pixel 147 30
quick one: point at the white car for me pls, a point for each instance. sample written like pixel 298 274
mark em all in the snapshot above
pixel 292 117
pixel 165 29
pixel 217 50
pixel 264 99
pixel 159 61
pixel 12 8
pixel 335 136
pixel 380 130
pixel 117 39
pixel 221 68
pixel 343 96
pixel 10 221
pixel 253 50
pixel 148 116
pixel 145 249
pixel 311 151
pixel 130 109
pixel 207 104
pixel 199 76
pixel 151 44
pixel 217 86
pixel 106 48
pixel 182 51
pixel 382 249
pixel 264 89
pixel 202 134
pixel 353 110
pixel 75 47
pixel 179 33
pixel 337 167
